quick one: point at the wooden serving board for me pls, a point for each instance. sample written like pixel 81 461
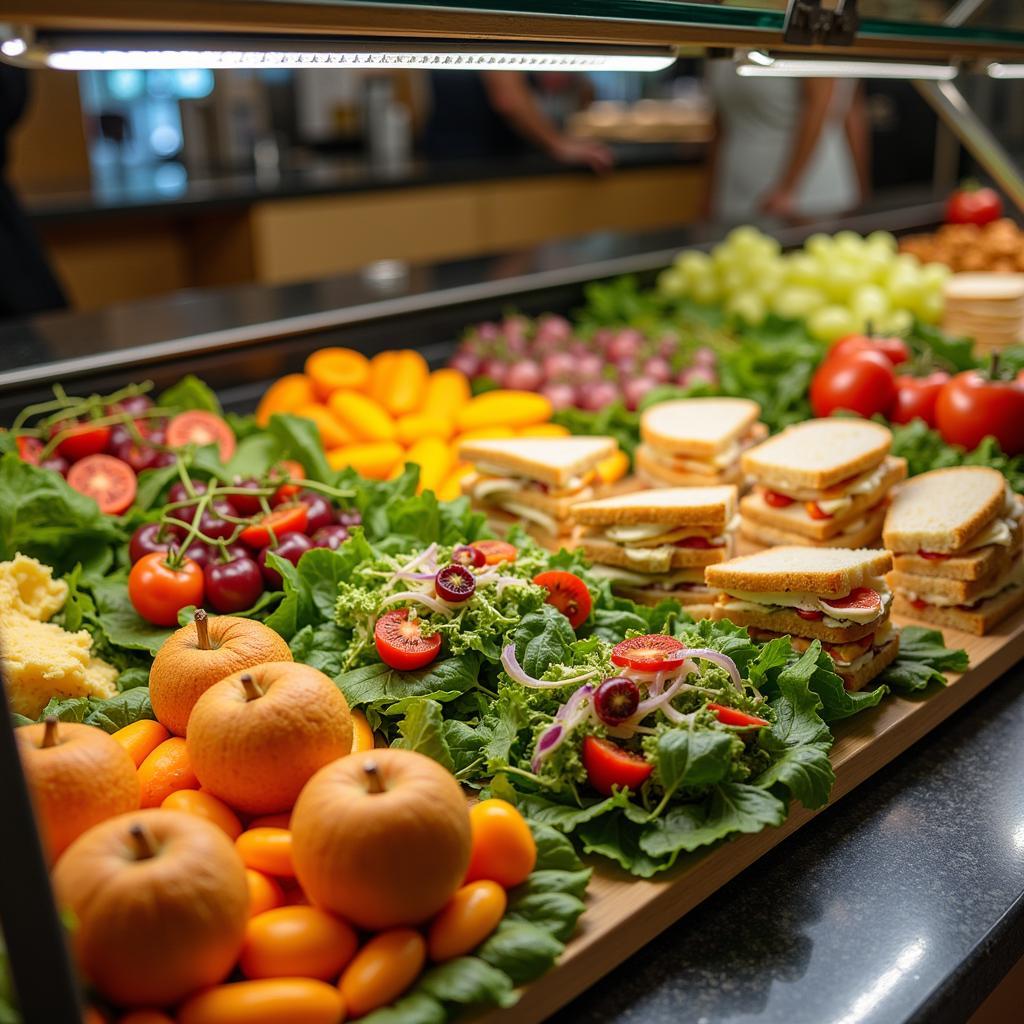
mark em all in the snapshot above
pixel 624 913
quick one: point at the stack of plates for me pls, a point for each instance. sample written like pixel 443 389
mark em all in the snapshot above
pixel 986 307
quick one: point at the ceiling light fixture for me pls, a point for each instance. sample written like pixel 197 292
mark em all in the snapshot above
pixel 997 70
pixel 757 64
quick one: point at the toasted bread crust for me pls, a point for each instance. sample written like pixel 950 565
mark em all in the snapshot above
pixel 964 567
pixel 655 474
pixel 830 572
pixel 787 621
pixel 765 535
pixel 606 553
pixel 979 621
pixel 887 653
pixel 699 506
pixel 686 426
pixel 524 456
pixel 960 591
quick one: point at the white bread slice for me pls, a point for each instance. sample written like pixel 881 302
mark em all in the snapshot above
pixel 656 474
pixel 972 566
pixel 605 552
pixel 863 674
pixel 817 453
pixel 786 621
pixel 698 426
pixel 552 460
pixel 943 509
pixel 827 572
pixel 958 591
pixel 979 620
pixel 699 506
pixel 864 537
pixel 990 287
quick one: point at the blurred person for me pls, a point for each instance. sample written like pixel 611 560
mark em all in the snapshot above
pixel 27 284
pixel 480 114
pixel 793 148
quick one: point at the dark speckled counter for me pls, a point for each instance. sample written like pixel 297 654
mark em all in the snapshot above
pixel 904 902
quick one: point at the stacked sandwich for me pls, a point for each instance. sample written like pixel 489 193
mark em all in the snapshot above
pixel 833 595
pixel 956 539
pixel 822 482
pixel 696 442
pixel 653 545
pixel 535 481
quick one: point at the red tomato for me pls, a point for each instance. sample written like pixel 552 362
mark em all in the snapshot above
pixel 568 593
pixel 894 349
pixel 863 382
pixel 79 439
pixel 495 551
pixel 810 614
pixel 859 597
pixel 647 653
pixel 292 469
pixel 608 765
pixel 973 205
pixel 29 449
pixel 283 519
pixel 694 542
pixel 400 643
pixel 730 716
pixel 776 500
pixel 199 428
pixel 933 556
pixel 158 591
pixel 110 482
pixel 815 511
pixel 970 407
pixel 916 397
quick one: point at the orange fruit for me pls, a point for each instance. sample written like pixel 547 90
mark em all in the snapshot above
pixel 205 805
pixel 471 915
pixel 268 850
pixel 141 738
pixel 297 942
pixel 165 770
pixel 382 970
pixel 266 1001
pixel 265 892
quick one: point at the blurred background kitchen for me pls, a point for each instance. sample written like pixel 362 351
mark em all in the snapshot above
pixel 142 182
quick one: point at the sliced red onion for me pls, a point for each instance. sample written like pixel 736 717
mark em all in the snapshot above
pixel 413 576
pixel 707 654
pixel 663 697
pixel 428 602
pixel 415 563
pixel 574 711
pixel 516 672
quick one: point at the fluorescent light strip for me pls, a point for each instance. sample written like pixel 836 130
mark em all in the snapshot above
pixel 997 70
pixel 130 60
pixel 761 65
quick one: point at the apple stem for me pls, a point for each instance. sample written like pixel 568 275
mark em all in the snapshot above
pixel 252 691
pixel 50 732
pixel 144 848
pixel 202 629
pixel 373 780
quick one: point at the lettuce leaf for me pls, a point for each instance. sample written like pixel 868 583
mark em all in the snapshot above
pixel 388 691
pixel 106 713
pixel 923 659
pixel 190 393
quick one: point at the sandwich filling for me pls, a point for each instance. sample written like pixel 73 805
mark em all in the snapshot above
pixel 656 535
pixel 856 608
pixel 691 580
pixel 848 657
pixel 492 480
pixel 706 465
pixel 828 503
pixel 1014 577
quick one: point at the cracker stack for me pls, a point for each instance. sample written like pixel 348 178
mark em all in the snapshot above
pixel 986 307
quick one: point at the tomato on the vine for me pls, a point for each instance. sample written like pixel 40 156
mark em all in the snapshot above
pixel 607 765
pixel 200 428
pixel 295 471
pixel 159 590
pixel 400 643
pixel 862 382
pixel 971 406
pixel 916 397
pixel 29 448
pixel 568 593
pixel 281 520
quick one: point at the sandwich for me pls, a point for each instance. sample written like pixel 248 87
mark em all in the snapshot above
pixel 534 480
pixel 956 537
pixel 653 545
pixel 838 596
pixel 696 442
pixel 822 482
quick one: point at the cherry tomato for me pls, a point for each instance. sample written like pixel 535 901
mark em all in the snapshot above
pixel 400 643
pixel 138 456
pixel 470 557
pixel 859 597
pixel 179 493
pixel 916 397
pixel 80 439
pixel 972 204
pixel 232 586
pixel 810 614
pixel 158 591
pixel 970 407
pixel 894 349
pixel 291 547
pixel 862 382
pixel 108 481
pixel 608 765
pixel 286 492
pixel 283 519
pixel 200 428
pixel 776 500
pixel 29 449
pixel 568 593
pixel 57 463
pixel 730 716
pixel 495 551
pixel 649 653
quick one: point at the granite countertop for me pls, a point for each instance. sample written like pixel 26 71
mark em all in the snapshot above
pixel 169 189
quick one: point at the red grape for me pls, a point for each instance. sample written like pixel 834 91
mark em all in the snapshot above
pixel 616 700
pixel 332 536
pixel 148 538
pixel 233 586
pixel 292 546
pixel 320 511
pixel 246 504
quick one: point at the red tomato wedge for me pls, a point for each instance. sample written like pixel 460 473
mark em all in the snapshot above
pixel 815 511
pixel 933 556
pixel 730 716
pixel 79 440
pixel 568 593
pixel 776 500
pixel 696 542
pixel 495 551
pixel 609 765
pixel 859 597
pixel 199 428
pixel 810 614
pixel 110 482
pixel 283 519
pixel 400 643
pixel 651 653
pixel 29 449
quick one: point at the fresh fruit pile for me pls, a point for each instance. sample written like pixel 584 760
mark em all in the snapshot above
pixel 378 414
pixel 571 369
pixel 838 284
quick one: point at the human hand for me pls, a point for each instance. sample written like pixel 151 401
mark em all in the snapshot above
pixel 588 152
pixel 779 203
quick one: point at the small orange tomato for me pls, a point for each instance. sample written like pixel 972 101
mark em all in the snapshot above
pixel 268 850
pixel 382 970
pixel 503 847
pixel 141 738
pixel 204 805
pixel 297 942
pixel 362 734
pixel 266 1001
pixel 283 819
pixel 467 919
pixel 165 770
pixel 145 1017
pixel 265 892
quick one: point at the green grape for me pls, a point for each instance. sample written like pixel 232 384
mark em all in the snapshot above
pixel 693 264
pixel 733 281
pixel 747 306
pixel 899 321
pixel 673 283
pixel 935 275
pixel 903 286
pixel 797 302
pixel 705 291
pixel 870 302
pixel 831 322
pixel 819 245
pixel 930 307
pixel 744 238
pixel 884 240
pixel 842 280
pixel 802 268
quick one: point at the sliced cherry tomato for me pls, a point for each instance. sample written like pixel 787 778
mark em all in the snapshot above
pixel 29 449
pixel 80 439
pixel 495 551
pixel 568 593
pixel 810 614
pixel 608 765
pixel 111 483
pixel 776 500
pixel 199 427
pixel 649 653
pixel 918 604
pixel 815 511
pixel 283 519
pixel 695 542
pixel 158 591
pixel 932 556
pixel 294 470
pixel 400 643
pixel 859 597
pixel 730 716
